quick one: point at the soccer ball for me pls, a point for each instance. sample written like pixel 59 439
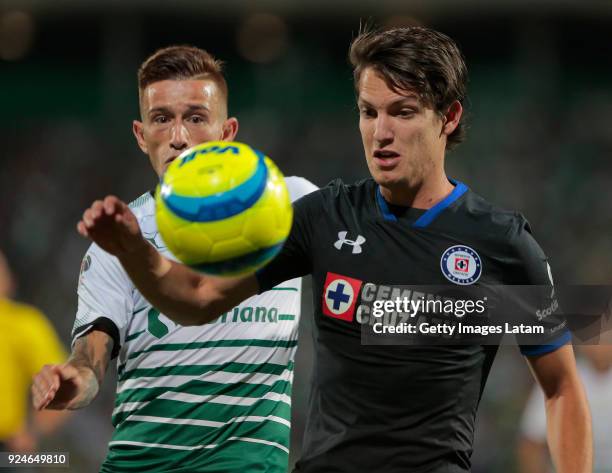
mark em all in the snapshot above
pixel 223 208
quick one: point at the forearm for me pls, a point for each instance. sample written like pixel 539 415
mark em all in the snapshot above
pixel 187 297
pixel 171 288
pixel 569 430
pixel 90 356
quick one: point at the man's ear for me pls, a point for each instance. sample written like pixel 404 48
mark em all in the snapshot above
pixel 230 129
pixel 138 130
pixel 452 118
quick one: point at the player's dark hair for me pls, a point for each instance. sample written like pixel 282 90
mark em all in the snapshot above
pixel 181 63
pixel 415 58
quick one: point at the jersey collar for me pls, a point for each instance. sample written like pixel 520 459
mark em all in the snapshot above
pixel 431 214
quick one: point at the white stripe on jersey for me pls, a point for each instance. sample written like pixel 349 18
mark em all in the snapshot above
pixel 160 445
pixel 223 377
pixel 211 398
pixel 208 423
pixel 265 442
pixel 197 447
pixel 211 356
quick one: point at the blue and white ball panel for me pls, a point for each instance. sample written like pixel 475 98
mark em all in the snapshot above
pixel 221 206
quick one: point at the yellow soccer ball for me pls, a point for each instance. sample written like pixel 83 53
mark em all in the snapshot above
pixel 223 208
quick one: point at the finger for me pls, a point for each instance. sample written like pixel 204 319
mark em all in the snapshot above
pixel 122 206
pixel 67 372
pixel 37 396
pixel 42 394
pixel 41 389
pixel 53 378
pixel 82 229
pixel 110 205
pixel 46 378
pixel 40 402
pixel 88 219
pixel 96 209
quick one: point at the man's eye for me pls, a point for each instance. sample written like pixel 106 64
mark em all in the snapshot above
pixel 160 119
pixel 367 112
pixel 406 113
pixel 196 119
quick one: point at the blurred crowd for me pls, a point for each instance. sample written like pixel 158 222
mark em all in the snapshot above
pixel 538 142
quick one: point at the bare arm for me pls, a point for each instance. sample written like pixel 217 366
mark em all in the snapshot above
pixel 567 411
pixel 187 297
pixel 76 383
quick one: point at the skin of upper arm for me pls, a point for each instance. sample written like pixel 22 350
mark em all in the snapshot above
pixel 555 371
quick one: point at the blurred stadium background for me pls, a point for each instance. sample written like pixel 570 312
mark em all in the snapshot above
pixel 539 140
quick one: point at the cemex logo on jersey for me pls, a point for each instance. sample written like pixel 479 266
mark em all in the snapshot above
pixel 356 244
pixel 340 296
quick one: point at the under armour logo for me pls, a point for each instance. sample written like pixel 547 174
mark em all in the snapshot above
pixel 356 244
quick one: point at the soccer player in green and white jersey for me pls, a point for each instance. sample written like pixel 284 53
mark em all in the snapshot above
pixel 213 398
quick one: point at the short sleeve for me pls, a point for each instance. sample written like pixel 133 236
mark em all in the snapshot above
pixel 105 296
pixel 536 303
pixel 294 260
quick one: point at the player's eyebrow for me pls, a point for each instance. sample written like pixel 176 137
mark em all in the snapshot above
pixel 407 100
pixel 159 110
pixel 197 107
pixel 190 109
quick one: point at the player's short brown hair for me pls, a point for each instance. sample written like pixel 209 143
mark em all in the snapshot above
pixel 181 63
pixel 415 58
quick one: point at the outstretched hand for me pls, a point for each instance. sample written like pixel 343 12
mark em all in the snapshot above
pixel 63 387
pixel 112 225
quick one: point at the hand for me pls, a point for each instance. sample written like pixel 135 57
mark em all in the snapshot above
pixel 112 225
pixel 63 387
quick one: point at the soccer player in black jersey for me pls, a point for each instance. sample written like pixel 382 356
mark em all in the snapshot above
pixel 377 408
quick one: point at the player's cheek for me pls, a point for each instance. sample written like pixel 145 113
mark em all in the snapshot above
pixel 202 132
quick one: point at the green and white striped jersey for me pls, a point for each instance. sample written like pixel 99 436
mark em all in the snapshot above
pixel 212 398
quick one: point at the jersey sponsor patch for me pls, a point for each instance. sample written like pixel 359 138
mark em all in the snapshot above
pixel 460 264
pixel 340 296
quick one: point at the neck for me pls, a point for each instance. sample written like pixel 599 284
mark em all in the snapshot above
pixel 422 195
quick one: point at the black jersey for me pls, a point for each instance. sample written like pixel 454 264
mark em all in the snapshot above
pixel 395 408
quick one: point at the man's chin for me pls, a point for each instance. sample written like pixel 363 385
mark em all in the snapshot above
pixel 386 179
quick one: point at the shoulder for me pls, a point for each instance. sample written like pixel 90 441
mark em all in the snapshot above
pixel 354 193
pixel 98 266
pixel 337 195
pixel 493 221
pixel 508 236
pixel 143 206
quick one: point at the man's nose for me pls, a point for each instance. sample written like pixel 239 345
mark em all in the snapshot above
pixel 383 132
pixel 179 139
